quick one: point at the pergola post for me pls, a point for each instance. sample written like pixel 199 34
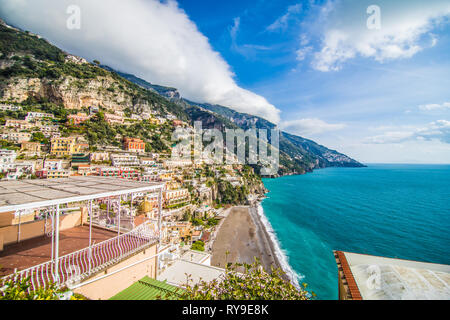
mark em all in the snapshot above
pixel 118 215
pixel 90 235
pixel 131 204
pixel 118 227
pixel 57 244
pixel 53 232
pixel 45 224
pixel 159 214
pixel 107 208
pixel 18 231
pixel 131 210
pixel 158 248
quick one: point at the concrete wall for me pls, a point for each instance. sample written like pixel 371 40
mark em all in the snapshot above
pixel 108 287
pixel 6 219
pixel 29 230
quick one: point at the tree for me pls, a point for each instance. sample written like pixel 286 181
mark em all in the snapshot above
pixel 212 222
pixel 21 290
pixel 39 137
pixel 197 222
pixel 198 246
pixel 187 216
pixel 252 284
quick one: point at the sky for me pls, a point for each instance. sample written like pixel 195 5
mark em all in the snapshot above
pixel 370 79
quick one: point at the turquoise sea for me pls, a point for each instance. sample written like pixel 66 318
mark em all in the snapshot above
pixel 399 211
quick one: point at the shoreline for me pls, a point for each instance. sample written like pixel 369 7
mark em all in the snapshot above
pixel 275 245
pixel 246 233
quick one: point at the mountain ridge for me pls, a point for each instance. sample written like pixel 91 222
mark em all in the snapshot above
pixel 295 147
pixel 31 67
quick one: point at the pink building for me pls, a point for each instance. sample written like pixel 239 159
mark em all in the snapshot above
pixel 78 118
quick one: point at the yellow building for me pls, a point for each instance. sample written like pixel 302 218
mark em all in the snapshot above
pixel 174 197
pixel 154 120
pixel 63 146
pixel 182 230
pixel 31 148
pixel 173 185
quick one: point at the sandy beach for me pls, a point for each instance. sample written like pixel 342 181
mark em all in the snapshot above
pixel 245 237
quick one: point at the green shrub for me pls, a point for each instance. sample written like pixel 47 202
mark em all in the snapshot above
pixel 198 246
pixel 11 290
pixel 252 284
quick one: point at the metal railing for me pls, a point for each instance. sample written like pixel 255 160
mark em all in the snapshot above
pixel 79 265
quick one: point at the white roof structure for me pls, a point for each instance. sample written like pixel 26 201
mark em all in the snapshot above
pixel 196 256
pixel 32 194
pixel 380 278
pixel 176 273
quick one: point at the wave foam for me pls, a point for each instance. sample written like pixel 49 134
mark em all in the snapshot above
pixel 280 253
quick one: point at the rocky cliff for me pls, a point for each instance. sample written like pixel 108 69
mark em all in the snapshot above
pixel 32 68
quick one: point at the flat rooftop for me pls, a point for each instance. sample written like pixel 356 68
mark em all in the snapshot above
pixel 380 278
pixel 195 256
pixel 29 253
pixel 31 194
pixel 176 273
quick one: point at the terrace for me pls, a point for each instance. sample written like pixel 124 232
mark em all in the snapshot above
pixel 48 229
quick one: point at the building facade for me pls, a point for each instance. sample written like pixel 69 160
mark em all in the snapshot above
pixel 77 119
pixel 133 145
pixel 125 160
pixel 63 146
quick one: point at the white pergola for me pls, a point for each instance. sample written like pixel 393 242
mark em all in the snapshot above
pixel 25 195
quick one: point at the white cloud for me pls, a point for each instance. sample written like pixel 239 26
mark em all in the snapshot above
pixel 303 52
pixel 435 106
pixel 153 40
pixel 405 30
pixel 235 28
pixel 282 22
pixel 246 50
pixel 309 126
pixel 437 130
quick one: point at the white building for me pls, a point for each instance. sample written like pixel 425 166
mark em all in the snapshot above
pixel 16 136
pixel 147 161
pixel 9 107
pixel 177 163
pixel 175 274
pixel 124 160
pixel 21 124
pixel 33 116
pixel 21 169
pixel 99 156
pixel 53 165
pixel 13 170
pixel 49 130
pixel 7 159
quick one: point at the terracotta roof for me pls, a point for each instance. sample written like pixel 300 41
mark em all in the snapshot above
pixel 348 275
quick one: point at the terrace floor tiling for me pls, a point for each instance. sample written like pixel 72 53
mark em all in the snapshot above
pixel 28 253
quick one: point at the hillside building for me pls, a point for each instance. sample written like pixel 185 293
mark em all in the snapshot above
pixel 133 145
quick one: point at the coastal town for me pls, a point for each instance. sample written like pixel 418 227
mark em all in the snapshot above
pixel 116 188
pixel 37 147
pixel 194 200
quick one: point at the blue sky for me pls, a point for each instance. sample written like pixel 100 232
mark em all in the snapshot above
pixel 368 98
pixel 314 67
